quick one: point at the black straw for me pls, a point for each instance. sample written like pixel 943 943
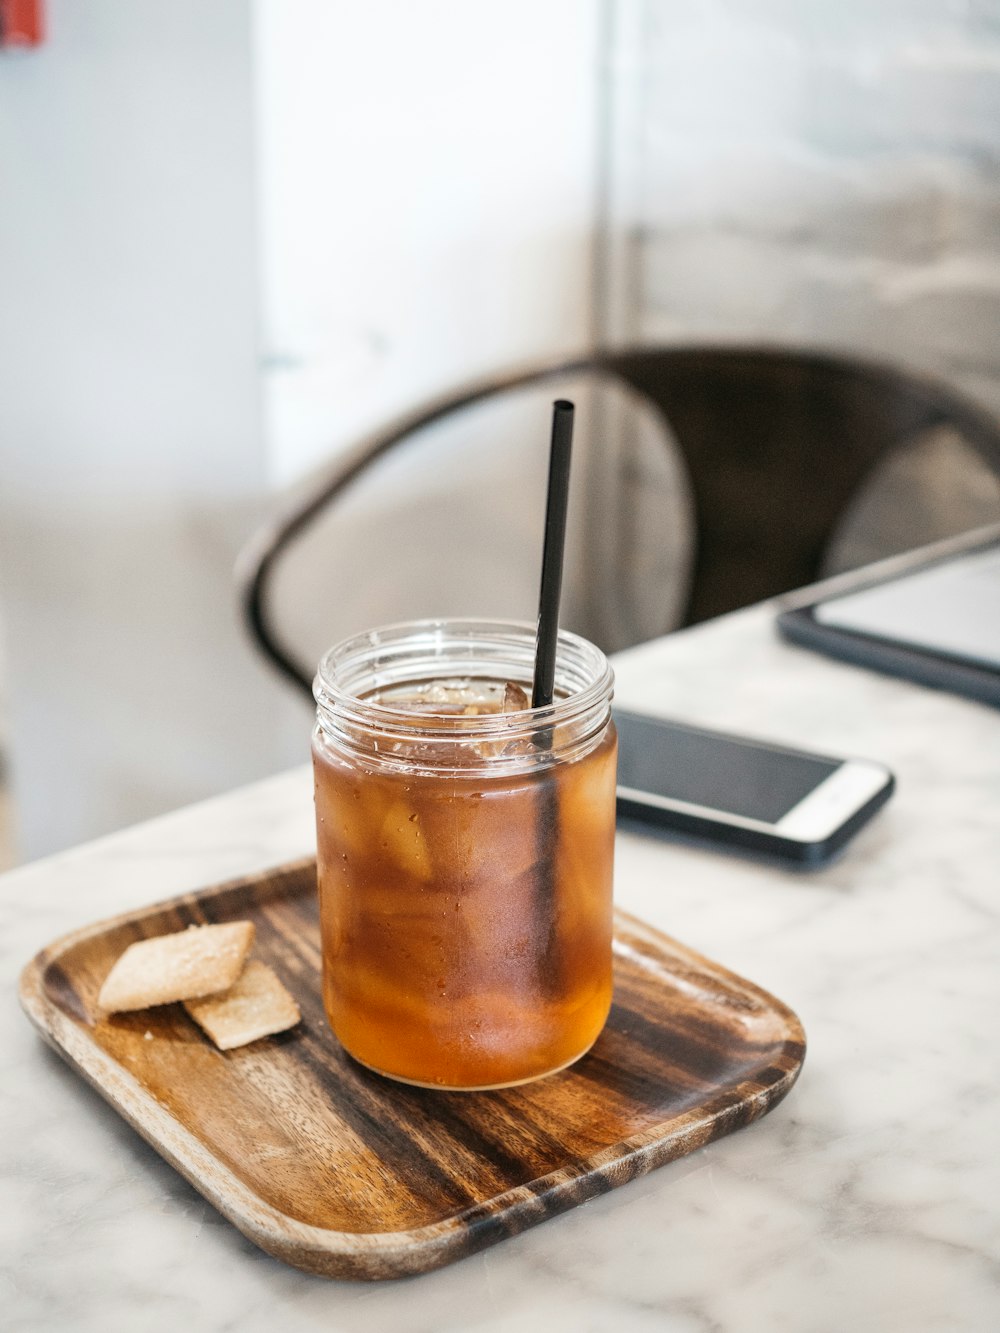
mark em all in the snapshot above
pixel 543 686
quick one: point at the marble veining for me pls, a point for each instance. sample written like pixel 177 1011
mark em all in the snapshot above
pixel 868 1200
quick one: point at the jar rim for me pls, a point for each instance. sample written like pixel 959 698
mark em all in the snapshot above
pixel 577 660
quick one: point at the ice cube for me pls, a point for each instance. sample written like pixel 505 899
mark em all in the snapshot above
pixel 402 837
pixel 514 698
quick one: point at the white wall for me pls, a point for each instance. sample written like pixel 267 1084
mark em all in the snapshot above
pixel 427 191
pixel 422 177
pixel 130 320
pixel 428 178
pixel 819 175
pixel 131 450
pixel 825 173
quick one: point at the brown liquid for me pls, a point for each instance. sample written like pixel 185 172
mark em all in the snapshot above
pixel 466 920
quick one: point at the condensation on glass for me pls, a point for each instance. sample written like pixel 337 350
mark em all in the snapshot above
pixel 465 848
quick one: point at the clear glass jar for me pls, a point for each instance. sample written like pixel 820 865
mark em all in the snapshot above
pixel 464 852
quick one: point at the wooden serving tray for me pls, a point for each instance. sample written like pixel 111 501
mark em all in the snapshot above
pixel 341 1172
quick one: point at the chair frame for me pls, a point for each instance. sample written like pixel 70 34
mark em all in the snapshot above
pixel 688 386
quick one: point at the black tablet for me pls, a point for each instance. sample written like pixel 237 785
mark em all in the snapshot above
pixel 937 622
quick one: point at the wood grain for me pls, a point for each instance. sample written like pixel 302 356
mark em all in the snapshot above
pixel 340 1172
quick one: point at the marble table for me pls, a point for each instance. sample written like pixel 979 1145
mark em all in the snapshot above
pixel 868 1200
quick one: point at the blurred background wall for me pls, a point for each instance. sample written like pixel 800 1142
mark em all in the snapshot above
pixel 819 175
pixel 132 454
pixel 427 190
pixel 825 173
pixel 233 235
pixel 237 235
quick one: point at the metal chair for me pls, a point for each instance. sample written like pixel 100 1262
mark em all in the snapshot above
pixel 777 444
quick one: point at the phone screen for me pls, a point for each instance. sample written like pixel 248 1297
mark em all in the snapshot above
pixel 740 777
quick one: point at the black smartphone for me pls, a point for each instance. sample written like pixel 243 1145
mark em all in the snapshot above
pixel 744 792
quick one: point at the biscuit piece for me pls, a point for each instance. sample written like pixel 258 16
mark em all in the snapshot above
pixel 198 961
pixel 257 1005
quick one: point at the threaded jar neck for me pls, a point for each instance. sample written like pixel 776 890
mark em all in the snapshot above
pixel 357 675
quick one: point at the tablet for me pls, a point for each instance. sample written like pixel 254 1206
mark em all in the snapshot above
pixel 937 622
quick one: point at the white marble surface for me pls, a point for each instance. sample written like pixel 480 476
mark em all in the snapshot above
pixel 868 1200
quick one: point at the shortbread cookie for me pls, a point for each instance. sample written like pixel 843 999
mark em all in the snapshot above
pixel 190 963
pixel 257 1005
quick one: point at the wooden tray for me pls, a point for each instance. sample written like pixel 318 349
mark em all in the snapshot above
pixel 340 1172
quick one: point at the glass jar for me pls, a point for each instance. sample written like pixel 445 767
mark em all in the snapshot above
pixel 465 846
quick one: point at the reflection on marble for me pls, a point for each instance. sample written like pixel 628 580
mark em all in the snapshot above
pixel 868 1200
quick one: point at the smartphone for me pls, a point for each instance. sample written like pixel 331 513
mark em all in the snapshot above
pixel 743 792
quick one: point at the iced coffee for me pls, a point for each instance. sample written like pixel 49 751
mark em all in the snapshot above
pixel 465 846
